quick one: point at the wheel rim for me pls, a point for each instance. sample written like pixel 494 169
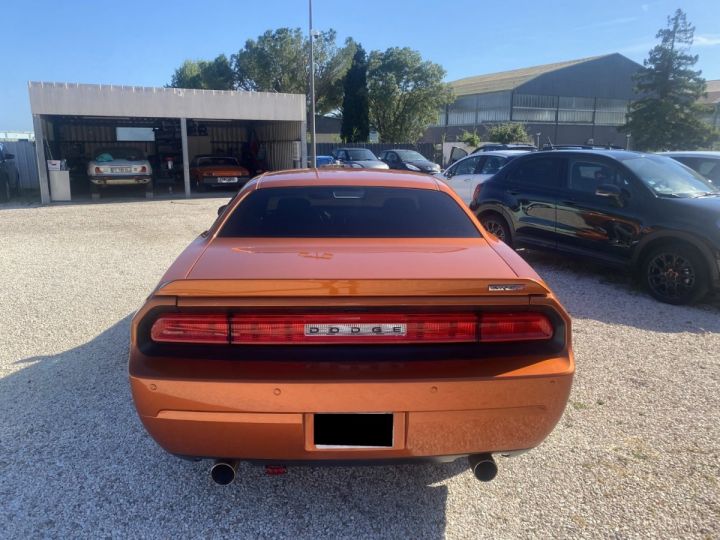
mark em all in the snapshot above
pixel 494 228
pixel 671 275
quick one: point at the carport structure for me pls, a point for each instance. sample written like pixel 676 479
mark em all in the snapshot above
pixel 72 120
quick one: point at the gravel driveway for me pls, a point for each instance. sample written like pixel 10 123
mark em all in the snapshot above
pixel 636 454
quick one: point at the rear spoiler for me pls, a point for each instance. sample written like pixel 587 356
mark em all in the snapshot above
pixel 324 288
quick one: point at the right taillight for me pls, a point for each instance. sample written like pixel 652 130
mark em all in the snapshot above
pixel 516 326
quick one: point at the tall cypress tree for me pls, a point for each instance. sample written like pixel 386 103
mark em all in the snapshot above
pixel 668 117
pixel 355 122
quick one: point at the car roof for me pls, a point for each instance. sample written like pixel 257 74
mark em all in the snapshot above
pixel 348 177
pixel 695 153
pixel 503 153
pixel 619 155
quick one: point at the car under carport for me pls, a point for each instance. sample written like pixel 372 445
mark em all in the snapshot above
pixel 169 125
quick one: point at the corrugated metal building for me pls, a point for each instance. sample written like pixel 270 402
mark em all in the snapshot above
pixel 568 102
pixel 71 121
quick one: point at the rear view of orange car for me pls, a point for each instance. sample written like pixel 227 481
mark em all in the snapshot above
pixel 209 171
pixel 342 315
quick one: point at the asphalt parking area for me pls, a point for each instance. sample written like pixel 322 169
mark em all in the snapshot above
pixel 637 453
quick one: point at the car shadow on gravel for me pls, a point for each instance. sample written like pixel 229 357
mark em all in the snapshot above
pixel 75 461
pixel 592 291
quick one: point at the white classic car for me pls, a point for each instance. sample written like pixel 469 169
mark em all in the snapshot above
pixel 119 166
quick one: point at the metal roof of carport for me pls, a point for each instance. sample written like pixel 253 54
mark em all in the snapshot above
pixel 74 99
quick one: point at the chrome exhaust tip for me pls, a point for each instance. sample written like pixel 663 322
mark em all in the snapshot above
pixel 483 466
pixel 223 472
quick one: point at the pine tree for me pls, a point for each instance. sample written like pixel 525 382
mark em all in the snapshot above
pixel 355 124
pixel 667 116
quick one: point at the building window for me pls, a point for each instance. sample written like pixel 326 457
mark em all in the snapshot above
pixel 494 107
pixel 576 110
pixel 611 112
pixel 534 108
pixel 462 112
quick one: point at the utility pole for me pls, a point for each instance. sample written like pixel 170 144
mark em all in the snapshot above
pixel 313 152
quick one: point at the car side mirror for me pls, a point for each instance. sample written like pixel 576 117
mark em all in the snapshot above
pixel 222 209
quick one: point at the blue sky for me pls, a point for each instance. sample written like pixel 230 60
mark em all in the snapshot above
pixel 140 43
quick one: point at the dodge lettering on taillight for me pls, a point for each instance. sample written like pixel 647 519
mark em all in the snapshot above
pixel 377 329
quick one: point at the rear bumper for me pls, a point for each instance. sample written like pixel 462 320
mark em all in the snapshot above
pixel 273 420
pixel 120 180
pixel 212 181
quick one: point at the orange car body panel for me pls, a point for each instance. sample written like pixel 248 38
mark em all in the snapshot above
pixel 253 408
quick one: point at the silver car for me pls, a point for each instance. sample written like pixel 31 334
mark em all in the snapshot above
pixel 119 166
pixel 464 176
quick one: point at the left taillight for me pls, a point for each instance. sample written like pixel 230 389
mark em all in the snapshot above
pixel 191 328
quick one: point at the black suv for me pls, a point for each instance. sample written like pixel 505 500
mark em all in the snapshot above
pixel 642 211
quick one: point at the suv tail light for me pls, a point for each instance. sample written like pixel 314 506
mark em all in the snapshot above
pixel 365 328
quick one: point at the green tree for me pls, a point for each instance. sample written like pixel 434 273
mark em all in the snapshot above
pixel 278 61
pixel 207 75
pixel 507 133
pixel 355 120
pixel 404 93
pixel 667 116
pixel 471 138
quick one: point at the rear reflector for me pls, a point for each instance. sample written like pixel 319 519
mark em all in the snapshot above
pixel 365 328
pixel 191 328
pixel 496 327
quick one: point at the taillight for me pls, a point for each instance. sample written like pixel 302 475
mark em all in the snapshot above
pixel 143 169
pixel 476 193
pixel 522 326
pixel 98 170
pixel 365 328
pixel 190 328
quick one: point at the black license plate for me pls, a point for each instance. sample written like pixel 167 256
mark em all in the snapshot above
pixel 366 430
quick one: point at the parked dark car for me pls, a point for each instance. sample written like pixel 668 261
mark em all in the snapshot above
pixel 9 176
pixel 705 163
pixel 645 212
pixel 358 158
pixel 409 160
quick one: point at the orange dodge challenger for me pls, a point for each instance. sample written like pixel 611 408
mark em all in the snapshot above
pixel 354 316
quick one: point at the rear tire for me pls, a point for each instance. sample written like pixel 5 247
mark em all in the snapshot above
pixel 675 274
pixel 496 225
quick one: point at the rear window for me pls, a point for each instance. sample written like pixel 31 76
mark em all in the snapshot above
pixel 349 212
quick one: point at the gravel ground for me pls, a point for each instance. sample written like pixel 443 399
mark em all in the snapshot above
pixel 635 455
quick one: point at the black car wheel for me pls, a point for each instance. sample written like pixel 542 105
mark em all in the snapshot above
pixel 496 225
pixel 675 274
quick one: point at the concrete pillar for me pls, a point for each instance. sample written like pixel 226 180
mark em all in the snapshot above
pixel 303 145
pixel 41 163
pixel 186 157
